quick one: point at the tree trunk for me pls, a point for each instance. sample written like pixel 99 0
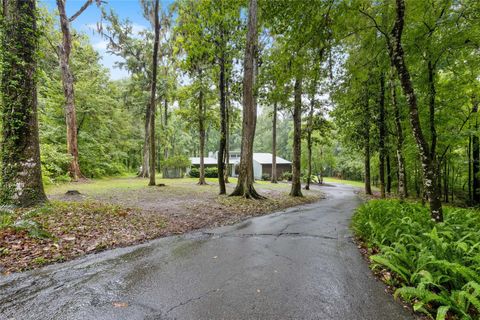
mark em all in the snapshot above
pixel 366 139
pixel 431 104
pixel 452 188
pixel 445 181
pixel 146 146
pixel 402 183
pixel 165 126
pixel 227 134
pixel 201 129
pixel 245 178
pixel 21 175
pixel 309 141
pixel 64 51
pixel 389 174
pixel 433 133
pixel 223 122
pixel 296 190
pixel 382 133
pixel 476 158
pixel 368 183
pixel 417 184
pixel 469 157
pixel 274 143
pixel 153 93
pixel 397 57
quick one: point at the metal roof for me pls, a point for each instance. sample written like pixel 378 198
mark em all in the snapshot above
pixel 206 160
pixel 262 158
pixel 266 158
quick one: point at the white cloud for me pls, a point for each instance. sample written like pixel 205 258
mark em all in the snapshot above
pixel 100 45
pixel 137 28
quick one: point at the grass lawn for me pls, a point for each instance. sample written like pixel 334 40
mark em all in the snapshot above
pixel 121 211
pixel 358 184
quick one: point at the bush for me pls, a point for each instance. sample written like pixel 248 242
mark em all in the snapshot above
pixel 194 173
pixel 287 176
pixel 313 178
pixel 55 164
pixel 211 172
pixel 265 177
pixel 434 265
pixel 176 162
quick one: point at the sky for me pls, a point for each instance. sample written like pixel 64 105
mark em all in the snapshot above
pixel 87 21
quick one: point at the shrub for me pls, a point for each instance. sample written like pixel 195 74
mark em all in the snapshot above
pixel 313 178
pixel 55 164
pixel 265 177
pixel 434 265
pixel 211 172
pixel 176 162
pixel 194 173
pixel 287 176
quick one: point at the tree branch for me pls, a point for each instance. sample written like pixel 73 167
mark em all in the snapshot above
pixel 374 22
pixel 80 11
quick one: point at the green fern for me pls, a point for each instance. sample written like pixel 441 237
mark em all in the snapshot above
pixel 438 264
pixel 442 313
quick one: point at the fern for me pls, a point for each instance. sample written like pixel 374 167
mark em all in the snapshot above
pixel 442 312
pixel 382 261
pixel 438 264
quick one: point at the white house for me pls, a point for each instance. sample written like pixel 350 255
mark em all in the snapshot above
pixel 262 163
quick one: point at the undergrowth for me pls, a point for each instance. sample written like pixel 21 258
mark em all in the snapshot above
pixel 435 266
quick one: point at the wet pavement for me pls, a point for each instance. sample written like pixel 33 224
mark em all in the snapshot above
pixel 298 264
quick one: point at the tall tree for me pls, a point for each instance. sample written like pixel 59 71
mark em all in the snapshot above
pixel 397 56
pixel 245 180
pixel 64 51
pixel 296 190
pixel 136 49
pixel 274 143
pixel 475 146
pixel 311 123
pixel 201 127
pixel 402 175
pixel 21 178
pixel 153 93
pixel 366 141
pixel 382 130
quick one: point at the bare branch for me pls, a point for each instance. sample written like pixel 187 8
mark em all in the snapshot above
pixel 377 26
pixel 80 11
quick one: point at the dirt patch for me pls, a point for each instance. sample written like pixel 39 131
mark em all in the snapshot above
pixel 74 225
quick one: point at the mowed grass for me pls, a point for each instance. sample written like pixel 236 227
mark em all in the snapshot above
pixel 107 185
pixel 121 211
pixel 358 184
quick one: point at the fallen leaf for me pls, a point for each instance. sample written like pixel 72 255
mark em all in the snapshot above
pixel 118 304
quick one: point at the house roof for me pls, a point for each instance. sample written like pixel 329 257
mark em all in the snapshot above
pixel 266 158
pixel 206 160
pixel 262 158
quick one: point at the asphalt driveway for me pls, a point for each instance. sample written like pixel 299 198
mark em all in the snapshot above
pixel 298 264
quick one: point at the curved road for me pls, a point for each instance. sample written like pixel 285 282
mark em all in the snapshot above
pixel 298 264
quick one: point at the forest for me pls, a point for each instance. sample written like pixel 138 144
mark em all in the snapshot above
pixel 383 93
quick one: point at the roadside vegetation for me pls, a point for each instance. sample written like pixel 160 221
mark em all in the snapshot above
pixel 353 183
pixel 435 266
